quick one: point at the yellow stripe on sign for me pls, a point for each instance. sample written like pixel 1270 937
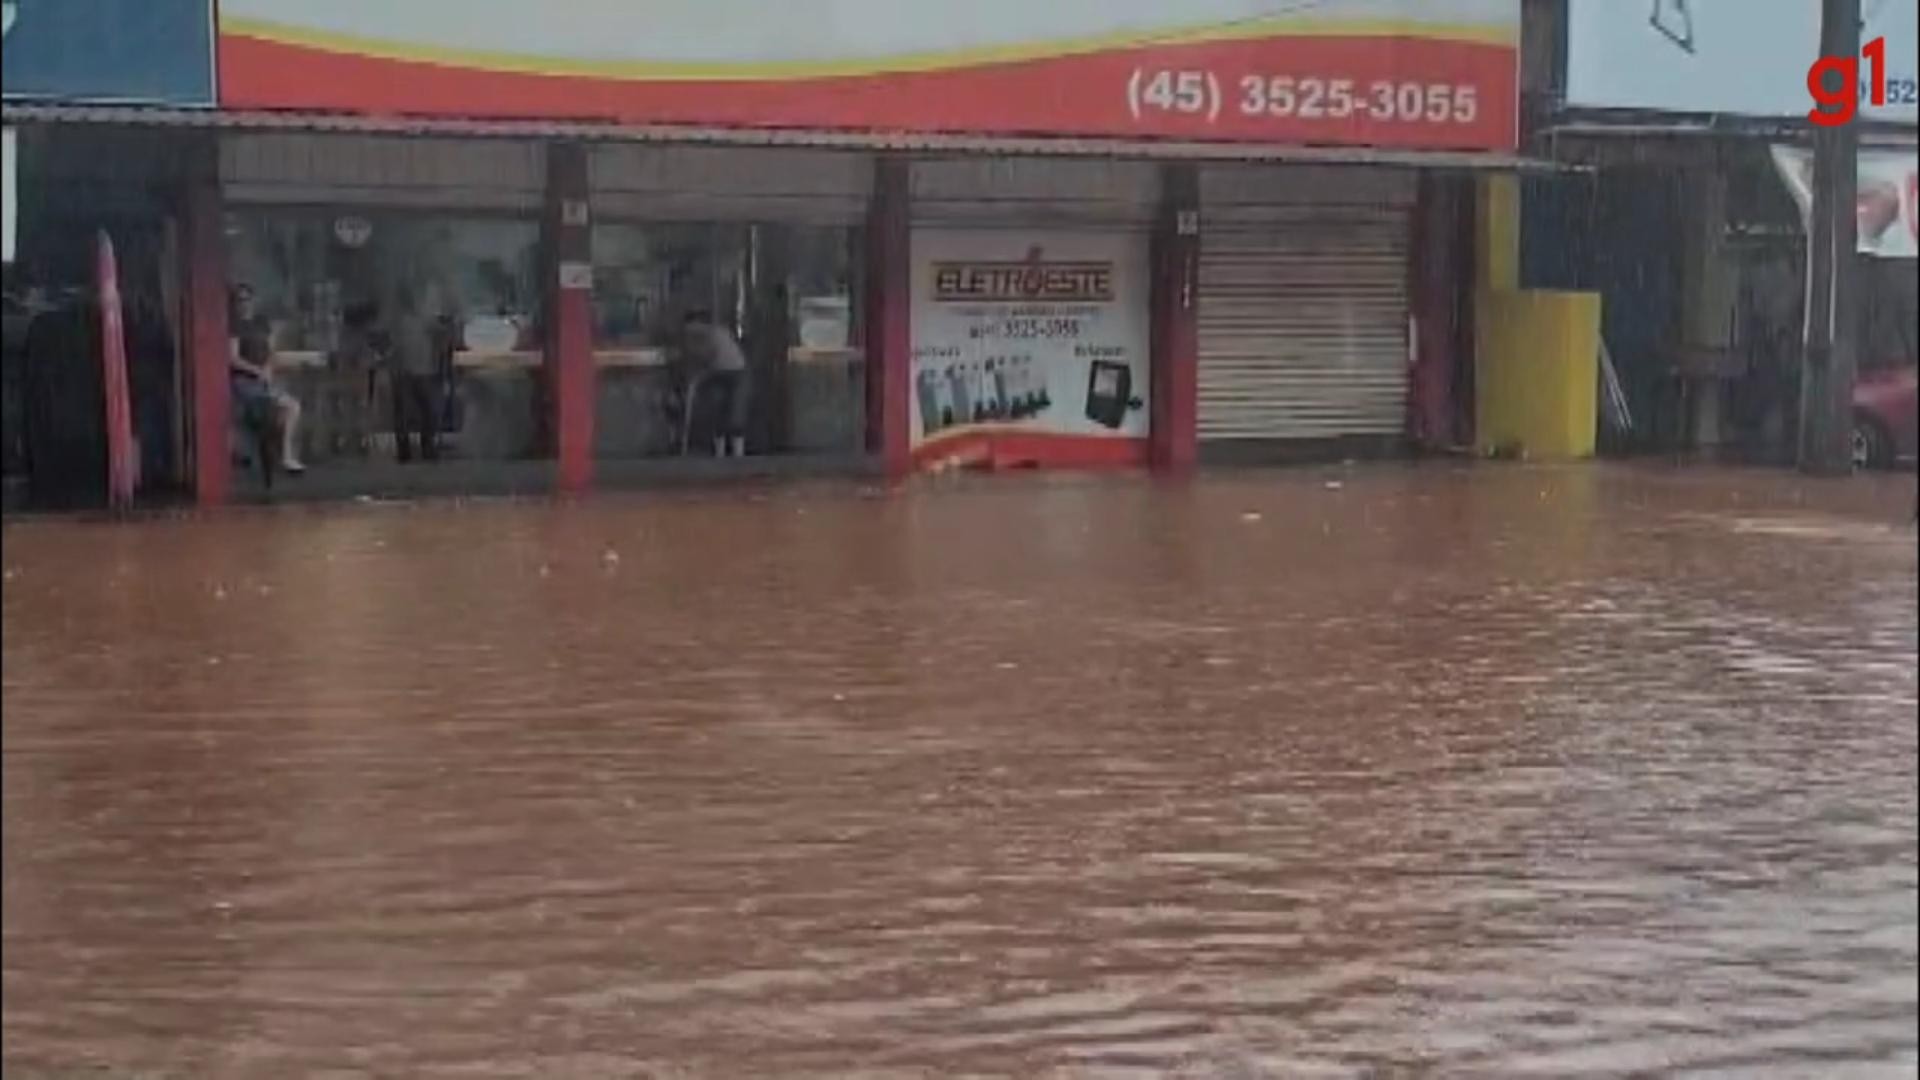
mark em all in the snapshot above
pixel 663 70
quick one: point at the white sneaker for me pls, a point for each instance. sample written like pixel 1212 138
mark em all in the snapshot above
pixel 739 446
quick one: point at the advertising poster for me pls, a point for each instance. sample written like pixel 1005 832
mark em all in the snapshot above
pixel 1430 74
pixel 1887 214
pixel 1029 348
pixel 1741 57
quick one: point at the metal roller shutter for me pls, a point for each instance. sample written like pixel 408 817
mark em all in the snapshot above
pixel 1303 326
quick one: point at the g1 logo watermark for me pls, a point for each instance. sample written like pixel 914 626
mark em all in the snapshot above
pixel 1838 90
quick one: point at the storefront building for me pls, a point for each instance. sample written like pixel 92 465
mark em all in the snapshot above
pixel 1691 219
pixel 1032 235
pixel 68 186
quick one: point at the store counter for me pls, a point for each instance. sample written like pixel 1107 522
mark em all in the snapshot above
pixel 633 415
pixel 502 398
pixel 826 400
pixel 499 399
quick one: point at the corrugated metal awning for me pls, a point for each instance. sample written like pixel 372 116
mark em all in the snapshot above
pixel 886 141
pixel 1599 126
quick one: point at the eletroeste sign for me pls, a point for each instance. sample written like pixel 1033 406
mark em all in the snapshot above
pixel 1029 346
pixel 1392 73
pixel 1740 57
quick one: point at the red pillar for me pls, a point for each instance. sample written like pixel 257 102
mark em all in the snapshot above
pixel 570 373
pixel 1429 398
pixel 204 276
pixel 1173 443
pixel 889 317
pixel 1440 290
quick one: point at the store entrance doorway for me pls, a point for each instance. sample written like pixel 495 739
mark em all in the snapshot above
pixel 715 329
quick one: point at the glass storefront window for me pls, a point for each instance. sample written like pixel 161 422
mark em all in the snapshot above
pixel 316 272
pixel 789 294
pixel 647 278
pixel 307 267
pixel 823 380
pixel 823 287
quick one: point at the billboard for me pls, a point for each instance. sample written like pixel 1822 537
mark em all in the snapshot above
pixel 1030 347
pixel 1885 207
pixel 1391 73
pixel 148 52
pixel 1741 57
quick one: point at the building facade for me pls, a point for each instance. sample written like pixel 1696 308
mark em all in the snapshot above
pixel 1691 126
pixel 1075 234
pixel 66 186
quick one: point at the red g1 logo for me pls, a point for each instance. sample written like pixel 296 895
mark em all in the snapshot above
pixel 1837 101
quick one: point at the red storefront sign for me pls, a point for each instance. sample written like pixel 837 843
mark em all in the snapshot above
pixel 1433 74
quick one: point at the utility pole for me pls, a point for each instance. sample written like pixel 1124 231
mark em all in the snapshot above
pixel 1829 361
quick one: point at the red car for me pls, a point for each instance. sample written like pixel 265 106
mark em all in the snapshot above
pixel 1884 411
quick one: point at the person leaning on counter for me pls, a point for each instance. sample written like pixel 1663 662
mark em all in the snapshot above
pixel 710 351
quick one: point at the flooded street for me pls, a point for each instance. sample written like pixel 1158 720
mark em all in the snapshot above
pixel 1464 771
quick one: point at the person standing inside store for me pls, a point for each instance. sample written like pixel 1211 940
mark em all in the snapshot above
pixel 350 390
pixel 413 362
pixel 714 356
pixel 250 364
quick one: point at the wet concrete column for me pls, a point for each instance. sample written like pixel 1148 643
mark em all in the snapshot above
pixel 889 316
pixel 568 257
pixel 1709 291
pixel 204 327
pixel 1173 442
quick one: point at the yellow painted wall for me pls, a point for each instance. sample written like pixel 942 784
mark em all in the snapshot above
pixel 1497 216
pixel 1537 377
pixel 1537 370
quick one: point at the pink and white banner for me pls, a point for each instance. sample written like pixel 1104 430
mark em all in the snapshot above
pixel 1888 202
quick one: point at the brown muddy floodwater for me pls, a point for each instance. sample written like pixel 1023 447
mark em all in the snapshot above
pixel 1387 771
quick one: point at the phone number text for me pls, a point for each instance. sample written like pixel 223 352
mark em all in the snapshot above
pixel 1206 94
pixel 1058 328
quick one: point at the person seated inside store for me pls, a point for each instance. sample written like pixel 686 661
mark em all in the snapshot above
pixel 255 393
pixel 715 372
